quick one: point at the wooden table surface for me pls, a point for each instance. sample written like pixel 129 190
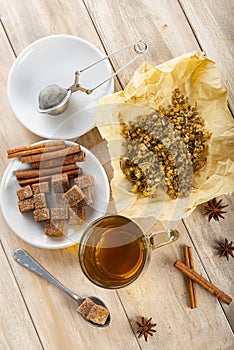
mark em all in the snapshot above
pixel 34 314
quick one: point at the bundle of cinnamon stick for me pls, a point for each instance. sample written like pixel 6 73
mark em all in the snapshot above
pixel 47 159
pixel 194 277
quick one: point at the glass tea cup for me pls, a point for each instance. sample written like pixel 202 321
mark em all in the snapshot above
pixel 113 251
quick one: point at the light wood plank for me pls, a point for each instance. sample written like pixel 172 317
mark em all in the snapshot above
pixel 205 235
pixel 212 23
pixel 16 327
pixel 35 19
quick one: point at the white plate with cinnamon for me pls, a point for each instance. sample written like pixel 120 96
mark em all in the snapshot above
pixel 49 163
pixel 54 60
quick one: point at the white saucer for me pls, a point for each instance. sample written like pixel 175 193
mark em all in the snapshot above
pixel 24 226
pixel 54 60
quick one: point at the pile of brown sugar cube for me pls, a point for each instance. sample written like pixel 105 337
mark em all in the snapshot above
pixel 71 201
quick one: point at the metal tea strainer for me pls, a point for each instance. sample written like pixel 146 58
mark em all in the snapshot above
pixel 54 99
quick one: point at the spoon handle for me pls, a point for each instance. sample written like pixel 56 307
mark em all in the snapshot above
pixel 26 260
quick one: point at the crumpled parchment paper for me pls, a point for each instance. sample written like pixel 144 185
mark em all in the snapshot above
pixel 198 78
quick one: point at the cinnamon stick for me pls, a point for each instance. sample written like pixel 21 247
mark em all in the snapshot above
pixel 50 155
pixel 190 253
pixel 34 149
pixel 191 285
pixel 70 173
pixel 32 173
pixel 71 158
pixel 38 145
pixel 210 287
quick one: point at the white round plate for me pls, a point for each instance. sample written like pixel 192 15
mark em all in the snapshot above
pixel 24 226
pixel 54 60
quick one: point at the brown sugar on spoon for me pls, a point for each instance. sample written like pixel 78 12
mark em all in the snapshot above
pixel 93 312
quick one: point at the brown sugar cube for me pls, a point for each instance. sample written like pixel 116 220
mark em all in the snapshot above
pixel 93 312
pixel 85 307
pixel 88 200
pixel 60 201
pixel 98 314
pixel 84 181
pixel 26 205
pixel 60 183
pixel 76 216
pixel 41 214
pixel 39 200
pixel 74 195
pixel 41 187
pixel 54 228
pixel 82 203
pixel 88 196
pixel 59 213
pixel 24 193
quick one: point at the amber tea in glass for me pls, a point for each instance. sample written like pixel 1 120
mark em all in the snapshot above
pixel 113 252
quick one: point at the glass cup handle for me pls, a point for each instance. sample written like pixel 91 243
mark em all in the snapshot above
pixel 158 239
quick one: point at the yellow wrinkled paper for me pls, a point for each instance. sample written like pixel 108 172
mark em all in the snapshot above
pixel 198 78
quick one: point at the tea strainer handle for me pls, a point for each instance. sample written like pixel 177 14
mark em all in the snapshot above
pixel 140 47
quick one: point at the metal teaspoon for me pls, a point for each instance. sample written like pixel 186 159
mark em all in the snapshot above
pixel 26 260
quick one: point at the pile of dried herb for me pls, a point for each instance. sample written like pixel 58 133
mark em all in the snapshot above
pixel 164 149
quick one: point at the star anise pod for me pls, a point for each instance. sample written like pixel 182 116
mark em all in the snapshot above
pixel 215 209
pixel 145 328
pixel 225 248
